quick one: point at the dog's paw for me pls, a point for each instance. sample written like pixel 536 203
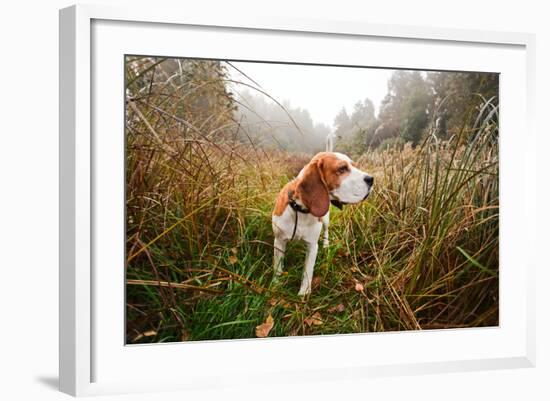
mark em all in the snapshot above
pixel 276 279
pixel 325 243
pixel 304 292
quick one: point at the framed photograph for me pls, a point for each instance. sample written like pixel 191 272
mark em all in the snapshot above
pixel 290 200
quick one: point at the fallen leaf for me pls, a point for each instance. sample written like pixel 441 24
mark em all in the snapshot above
pixel 284 304
pixel 359 287
pixel 316 282
pixel 149 333
pixel 314 319
pixel 234 251
pixel 263 329
pixel 233 259
pixel 279 302
pixel 338 308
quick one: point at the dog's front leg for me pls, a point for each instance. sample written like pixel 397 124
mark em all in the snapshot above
pixel 311 255
pixel 326 221
pixel 279 247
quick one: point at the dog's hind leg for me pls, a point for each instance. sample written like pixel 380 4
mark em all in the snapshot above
pixel 279 247
pixel 325 221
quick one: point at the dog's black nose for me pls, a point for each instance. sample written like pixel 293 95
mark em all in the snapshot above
pixel 369 180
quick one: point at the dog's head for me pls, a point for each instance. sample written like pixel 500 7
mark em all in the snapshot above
pixel 331 177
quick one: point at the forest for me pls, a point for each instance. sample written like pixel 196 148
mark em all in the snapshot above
pixel 206 156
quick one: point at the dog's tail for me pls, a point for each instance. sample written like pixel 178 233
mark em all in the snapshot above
pixel 330 142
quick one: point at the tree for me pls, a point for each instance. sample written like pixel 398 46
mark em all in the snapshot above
pixel 405 109
pixel 342 123
pixel 193 91
pixel 354 132
pixel 458 94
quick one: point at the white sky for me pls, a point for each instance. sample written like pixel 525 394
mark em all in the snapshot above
pixel 322 90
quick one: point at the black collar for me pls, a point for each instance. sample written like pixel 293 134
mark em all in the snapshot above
pixel 337 203
pixel 294 205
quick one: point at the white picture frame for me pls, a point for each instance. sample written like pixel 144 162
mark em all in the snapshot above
pixel 88 366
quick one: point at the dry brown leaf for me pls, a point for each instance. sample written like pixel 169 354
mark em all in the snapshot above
pixel 149 333
pixel 316 282
pixel 263 329
pixel 337 308
pixel 274 302
pixel 234 251
pixel 284 304
pixel 314 319
pixel 233 259
pixel 359 287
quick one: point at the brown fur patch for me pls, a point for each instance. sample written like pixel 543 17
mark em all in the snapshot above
pixel 282 199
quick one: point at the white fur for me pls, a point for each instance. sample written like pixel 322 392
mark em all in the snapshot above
pixel 353 189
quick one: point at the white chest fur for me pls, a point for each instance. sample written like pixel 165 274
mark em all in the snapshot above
pixel 308 227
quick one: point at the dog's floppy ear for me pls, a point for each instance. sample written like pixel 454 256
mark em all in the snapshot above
pixel 313 191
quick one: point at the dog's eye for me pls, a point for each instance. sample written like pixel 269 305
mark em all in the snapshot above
pixel 342 169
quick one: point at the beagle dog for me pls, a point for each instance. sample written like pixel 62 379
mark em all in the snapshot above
pixel 302 207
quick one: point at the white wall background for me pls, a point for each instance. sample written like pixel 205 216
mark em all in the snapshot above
pixel 29 197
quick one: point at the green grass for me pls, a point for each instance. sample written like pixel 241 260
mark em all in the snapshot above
pixel 420 253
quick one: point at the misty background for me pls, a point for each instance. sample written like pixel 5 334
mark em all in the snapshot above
pixel 295 107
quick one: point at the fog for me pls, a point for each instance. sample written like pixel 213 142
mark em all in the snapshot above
pixel 321 90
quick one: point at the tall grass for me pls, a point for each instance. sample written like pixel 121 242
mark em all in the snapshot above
pixel 421 253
